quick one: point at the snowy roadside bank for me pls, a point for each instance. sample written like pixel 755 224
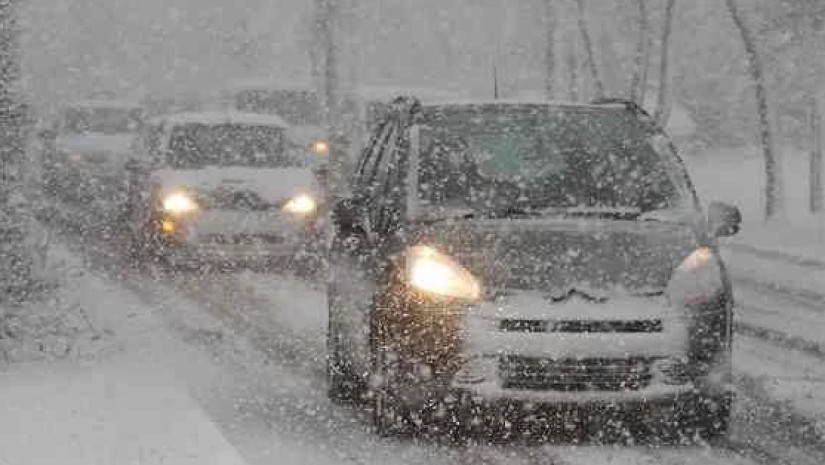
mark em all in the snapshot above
pixel 81 387
pixel 736 176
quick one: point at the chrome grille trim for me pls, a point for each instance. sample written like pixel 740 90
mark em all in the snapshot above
pixel 589 374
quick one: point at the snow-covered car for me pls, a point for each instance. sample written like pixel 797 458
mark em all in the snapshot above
pixel 296 102
pixel 93 142
pixel 219 187
pixel 528 258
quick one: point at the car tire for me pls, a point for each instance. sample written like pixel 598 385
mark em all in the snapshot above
pixel 390 417
pixel 712 422
pixel 342 385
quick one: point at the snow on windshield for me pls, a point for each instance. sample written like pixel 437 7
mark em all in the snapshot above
pixel 567 158
pixel 412 232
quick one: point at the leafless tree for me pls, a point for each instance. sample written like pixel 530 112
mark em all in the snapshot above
pixel 572 66
pixel 773 183
pixel 325 27
pixel 662 103
pixel 587 41
pixel 641 63
pixel 550 46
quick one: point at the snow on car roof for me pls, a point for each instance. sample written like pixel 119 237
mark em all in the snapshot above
pixel 517 101
pixel 94 104
pixel 209 118
pixel 388 93
pixel 270 83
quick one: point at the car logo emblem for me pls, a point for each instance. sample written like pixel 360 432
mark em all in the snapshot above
pixel 573 292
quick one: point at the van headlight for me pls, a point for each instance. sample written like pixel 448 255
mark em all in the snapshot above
pixel 697 280
pixel 301 205
pixel 431 271
pixel 179 203
pixel 319 147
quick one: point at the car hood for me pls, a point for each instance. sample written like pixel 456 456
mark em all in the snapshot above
pixel 272 185
pixel 305 135
pixel 593 259
pixel 96 143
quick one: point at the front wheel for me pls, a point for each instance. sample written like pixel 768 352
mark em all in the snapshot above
pixel 389 414
pixel 713 418
pixel 342 384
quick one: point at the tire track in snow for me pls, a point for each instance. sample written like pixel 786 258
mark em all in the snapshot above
pixel 311 417
pixel 806 262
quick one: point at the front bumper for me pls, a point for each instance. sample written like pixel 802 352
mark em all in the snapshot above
pixel 573 354
pixel 494 391
pixel 199 240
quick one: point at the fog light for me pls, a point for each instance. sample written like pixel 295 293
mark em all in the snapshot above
pixel 670 370
pixel 477 370
pixel 167 226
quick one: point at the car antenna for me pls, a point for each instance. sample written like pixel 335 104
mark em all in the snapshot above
pixel 495 81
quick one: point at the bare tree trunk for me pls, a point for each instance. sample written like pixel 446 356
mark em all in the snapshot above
pixel 326 21
pixel 572 66
pixel 641 61
pixel 588 49
pixel 662 109
pixel 773 182
pixel 549 51
pixel 815 162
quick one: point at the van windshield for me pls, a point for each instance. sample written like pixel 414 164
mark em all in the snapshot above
pixel 484 157
pixel 79 120
pixel 199 145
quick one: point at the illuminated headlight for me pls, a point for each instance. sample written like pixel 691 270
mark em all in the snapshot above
pixel 431 271
pixel 178 203
pixel 301 205
pixel 697 280
pixel 319 147
pixel 75 157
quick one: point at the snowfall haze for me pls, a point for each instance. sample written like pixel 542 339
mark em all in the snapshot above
pixel 408 232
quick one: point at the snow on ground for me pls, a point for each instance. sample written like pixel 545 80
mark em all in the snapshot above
pixel 104 414
pixel 737 176
pixel 798 381
pixel 128 398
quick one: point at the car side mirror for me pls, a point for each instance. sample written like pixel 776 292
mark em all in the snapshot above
pixel 346 215
pixel 132 165
pixel 723 219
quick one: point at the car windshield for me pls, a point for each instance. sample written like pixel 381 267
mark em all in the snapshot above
pixel 299 107
pixel 199 145
pixel 493 157
pixel 102 120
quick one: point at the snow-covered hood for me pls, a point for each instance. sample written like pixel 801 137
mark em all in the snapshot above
pixel 305 135
pixel 118 144
pixel 598 257
pixel 272 185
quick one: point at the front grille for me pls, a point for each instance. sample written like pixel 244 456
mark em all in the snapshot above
pixel 242 239
pixel 653 325
pixel 589 374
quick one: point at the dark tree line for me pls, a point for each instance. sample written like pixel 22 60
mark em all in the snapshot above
pixel 16 262
pixel 802 11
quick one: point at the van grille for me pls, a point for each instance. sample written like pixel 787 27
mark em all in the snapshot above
pixel 653 325
pixel 590 374
pixel 242 239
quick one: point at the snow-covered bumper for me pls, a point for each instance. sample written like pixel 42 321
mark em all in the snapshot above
pixel 236 238
pixel 622 351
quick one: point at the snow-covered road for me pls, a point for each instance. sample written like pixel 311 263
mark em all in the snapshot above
pixel 251 349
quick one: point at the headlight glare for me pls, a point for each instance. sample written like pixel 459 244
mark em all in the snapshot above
pixel 433 272
pixel 319 147
pixel 179 203
pixel 697 280
pixel 302 205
